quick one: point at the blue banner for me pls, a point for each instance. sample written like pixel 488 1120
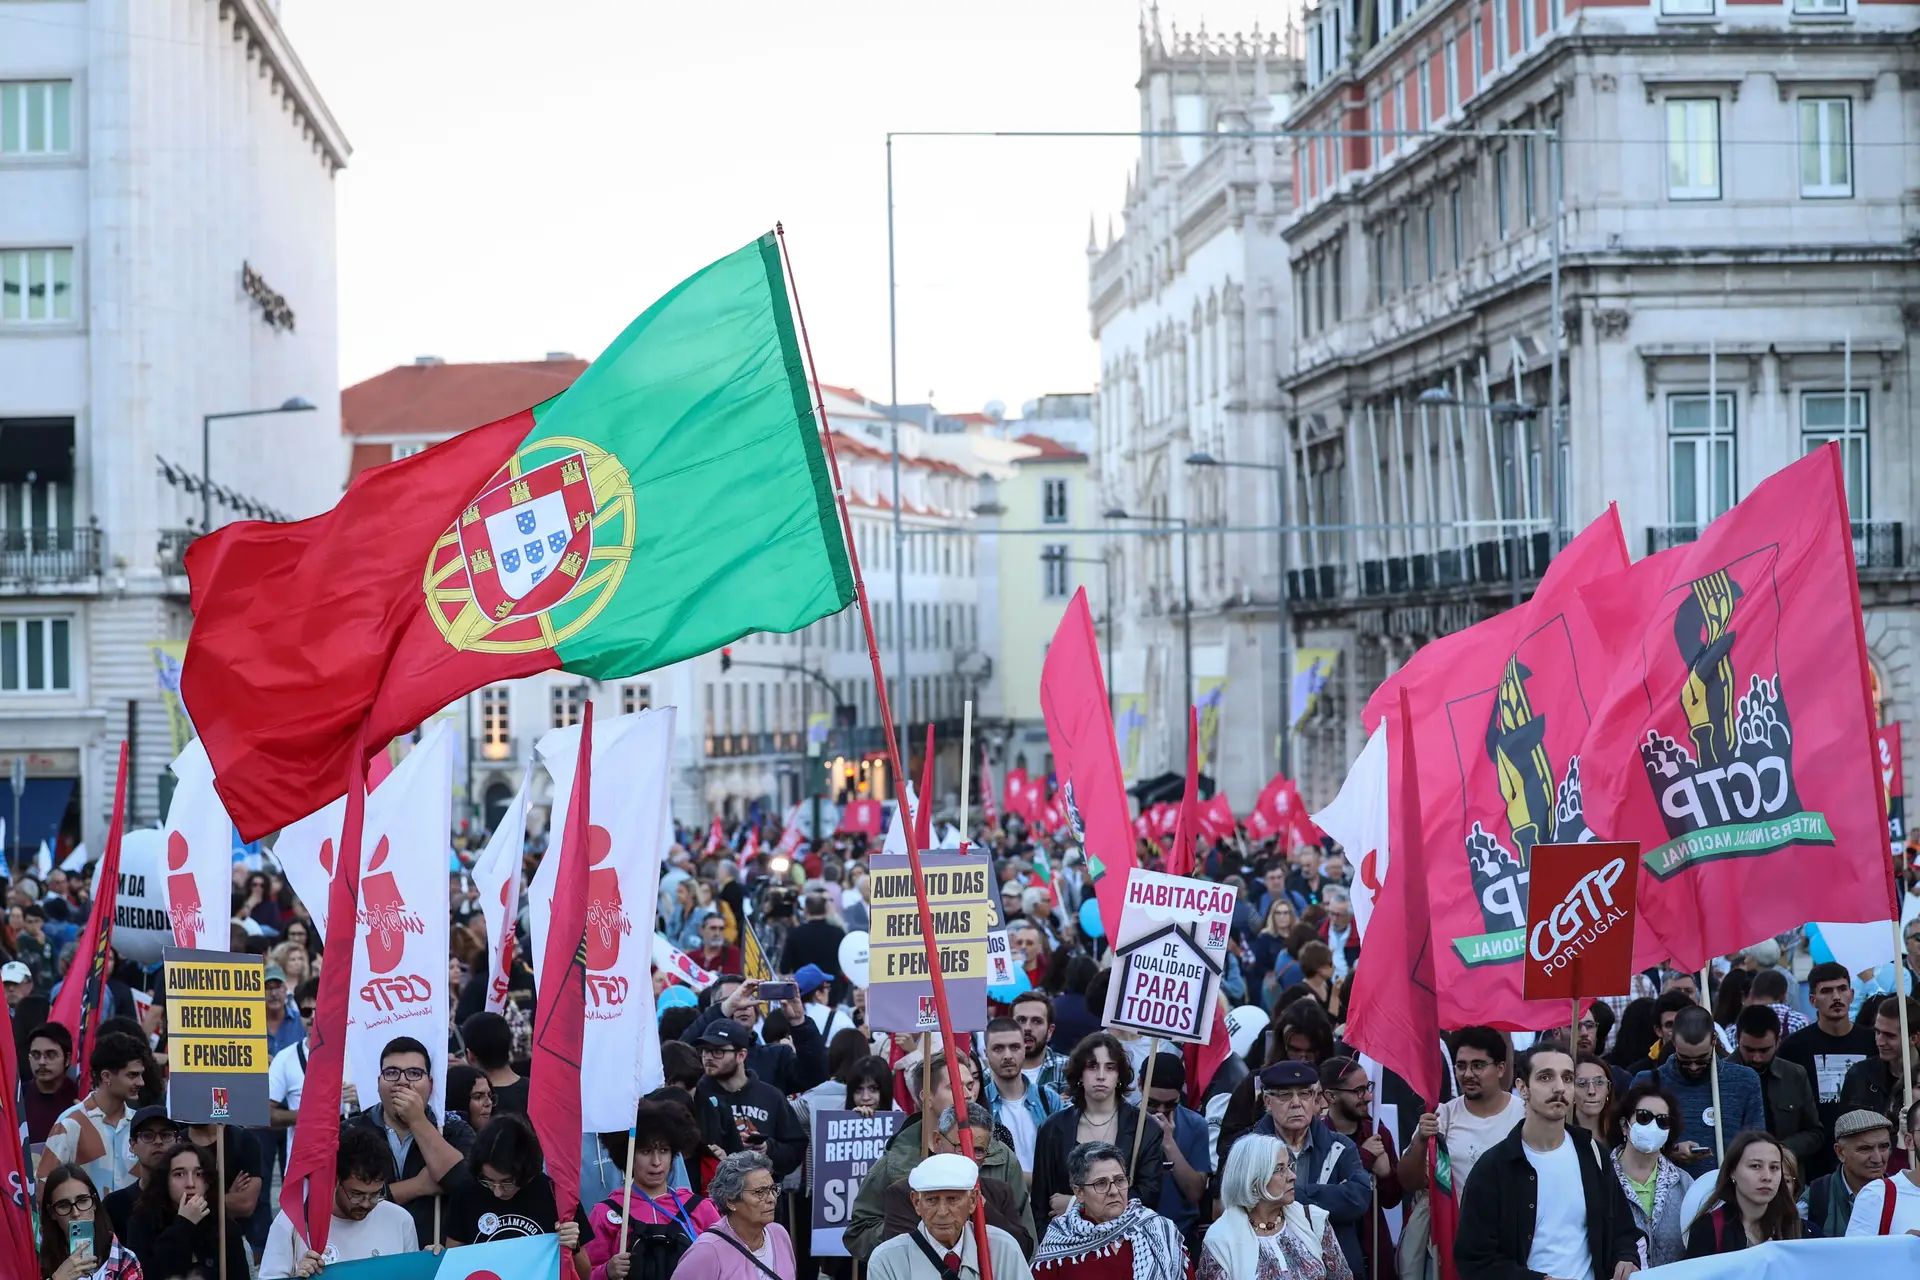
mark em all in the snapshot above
pixel 1803 1260
pixel 532 1258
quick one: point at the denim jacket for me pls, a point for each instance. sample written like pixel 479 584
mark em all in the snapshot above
pixel 1041 1101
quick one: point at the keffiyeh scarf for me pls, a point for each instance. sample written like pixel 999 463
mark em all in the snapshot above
pixel 1158 1251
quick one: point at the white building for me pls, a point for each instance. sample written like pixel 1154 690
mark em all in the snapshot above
pixel 1737 228
pixel 166 252
pixel 1192 309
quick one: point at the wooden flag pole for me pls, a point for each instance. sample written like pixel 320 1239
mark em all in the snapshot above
pixel 966 763
pixel 1902 992
pixel 220 1193
pixel 1573 1037
pixel 905 812
pixel 439 1239
pixel 1713 1066
pixel 626 1208
pixel 1142 1119
pixel 926 1087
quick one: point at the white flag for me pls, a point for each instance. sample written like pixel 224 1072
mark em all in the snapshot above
pixel 43 863
pixel 198 887
pixel 400 948
pixel 497 874
pixel 1357 818
pixel 630 831
pixel 896 842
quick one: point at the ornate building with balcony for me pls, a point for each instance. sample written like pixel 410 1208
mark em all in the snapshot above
pixel 1548 255
pixel 166 253
pixel 1192 310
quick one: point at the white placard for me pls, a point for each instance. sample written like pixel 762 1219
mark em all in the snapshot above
pixel 1168 955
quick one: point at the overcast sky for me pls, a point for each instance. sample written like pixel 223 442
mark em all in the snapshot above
pixel 527 175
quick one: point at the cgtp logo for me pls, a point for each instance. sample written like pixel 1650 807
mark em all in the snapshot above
pixel 384 914
pixel 606 991
pixel 606 916
pixel 219 1109
pixel 388 994
pixel 183 896
pixel 1585 913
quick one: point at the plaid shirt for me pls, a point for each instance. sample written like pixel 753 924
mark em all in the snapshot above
pixel 1053 1072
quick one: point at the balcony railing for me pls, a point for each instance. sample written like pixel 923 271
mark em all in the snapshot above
pixel 49 555
pixel 755 744
pixel 1877 544
pixel 173 551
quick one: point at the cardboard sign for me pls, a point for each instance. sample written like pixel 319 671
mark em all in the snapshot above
pixel 217 1037
pixel 900 990
pixel 846 1145
pixel 1893 785
pixel 1168 955
pixel 1580 913
pixel 999 959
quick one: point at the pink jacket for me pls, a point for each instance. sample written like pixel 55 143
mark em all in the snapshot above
pixel 605 1221
pixel 712 1258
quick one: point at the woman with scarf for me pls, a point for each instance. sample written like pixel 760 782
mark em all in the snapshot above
pixel 1105 1236
pixel 1262 1233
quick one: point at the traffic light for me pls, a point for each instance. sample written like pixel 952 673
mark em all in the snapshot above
pixel 726 660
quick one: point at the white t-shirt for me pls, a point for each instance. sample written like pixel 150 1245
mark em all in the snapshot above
pixel 1018 1122
pixel 386 1231
pixel 1872 1199
pixel 287 1076
pixel 1560 1245
pixel 1469 1136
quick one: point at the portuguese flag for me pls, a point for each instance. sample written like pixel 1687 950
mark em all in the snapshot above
pixel 673 499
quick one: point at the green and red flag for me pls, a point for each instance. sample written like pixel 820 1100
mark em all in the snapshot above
pixel 673 499
pixel 83 995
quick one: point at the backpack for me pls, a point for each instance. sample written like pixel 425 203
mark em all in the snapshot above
pixel 656 1247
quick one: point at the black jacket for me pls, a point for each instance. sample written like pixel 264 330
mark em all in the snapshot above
pixel 456 1131
pixel 1497 1212
pixel 1055 1141
pixel 178 1248
pixel 790 1070
pixel 1873 1086
pixel 760 1107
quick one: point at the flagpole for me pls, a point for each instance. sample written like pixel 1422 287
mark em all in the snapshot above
pixel 1142 1119
pixel 893 752
pixel 966 763
pixel 1902 990
pixel 626 1208
pixel 1713 1065
pixel 220 1193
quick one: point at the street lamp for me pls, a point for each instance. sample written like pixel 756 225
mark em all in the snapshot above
pixel 1186 602
pixel 297 404
pixel 1204 459
pixel 1105 562
pixel 1512 411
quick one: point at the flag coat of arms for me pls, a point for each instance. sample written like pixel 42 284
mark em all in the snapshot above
pixel 690 446
pixel 1736 738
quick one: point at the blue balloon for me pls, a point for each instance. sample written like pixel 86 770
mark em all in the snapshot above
pixel 1005 994
pixel 1090 919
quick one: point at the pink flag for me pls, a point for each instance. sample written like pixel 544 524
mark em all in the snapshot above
pixel 716 838
pixel 989 810
pixel 1187 823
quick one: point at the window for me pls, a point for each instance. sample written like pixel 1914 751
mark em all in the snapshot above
pixel 1693 148
pixel 1820 6
pixel 1450 74
pixel 1700 466
pixel 1479 54
pixel 1319 293
pixel 36 118
pixel 1686 8
pixel 570 705
pixel 1406 258
pixel 36 285
pixel 635 697
pixel 1426 218
pixel 1058 580
pixel 1827 416
pixel 407 450
pixel 496 723
pixel 1454 228
pixel 1826 148
pixel 1526 179
pixel 1053 498
pixel 1337 268
pixel 1380 268
pixel 1500 189
pixel 1499 58
pixel 34 655
pixel 1526 24
pixel 1426 90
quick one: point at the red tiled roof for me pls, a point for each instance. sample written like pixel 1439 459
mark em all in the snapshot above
pixel 1051 450
pixel 439 400
pixel 983 419
pixel 845 393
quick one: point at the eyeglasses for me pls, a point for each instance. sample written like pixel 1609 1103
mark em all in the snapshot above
pixel 1700 1063
pixel 1359 1090
pixel 157 1137
pixel 1590 1085
pixel 368 1199
pixel 761 1193
pixel 82 1203
pixel 1473 1067
pixel 1287 1095
pixel 502 1187
pixel 1659 1119
pixel 412 1075
pixel 1106 1186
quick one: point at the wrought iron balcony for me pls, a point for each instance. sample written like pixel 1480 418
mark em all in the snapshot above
pixel 173 551
pixel 1877 544
pixel 47 556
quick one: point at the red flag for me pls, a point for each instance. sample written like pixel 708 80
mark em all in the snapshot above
pixel 17 1256
pixel 1735 740
pixel 1216 818
pixel 1187 823
pixel 77 1008
pixel 1395 1014
pixel 307 1185
pixel 1016 794
pixel 716 838
pixel 751 849
pixel 989 810
pixel 862 817
pixel 923 820
pixel 1495 718
pixel 560 1022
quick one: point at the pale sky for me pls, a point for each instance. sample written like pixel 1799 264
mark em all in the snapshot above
pixel 528 175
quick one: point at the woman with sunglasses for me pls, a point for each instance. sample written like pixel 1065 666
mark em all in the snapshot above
pixel 1646 1126
pixel 505 1194
pixel 76 1239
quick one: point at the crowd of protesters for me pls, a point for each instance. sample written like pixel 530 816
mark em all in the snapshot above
pixel 1588 1151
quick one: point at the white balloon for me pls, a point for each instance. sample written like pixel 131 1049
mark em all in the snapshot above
pixel 141 925
pixel 1244 1025
pixel 853 957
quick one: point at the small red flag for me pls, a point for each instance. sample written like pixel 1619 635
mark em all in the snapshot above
pixel 307 1192
pixel 1187 823
pixel 79 1004
pixel 989 807
pixel 923 818
pixel 1015 802
pixel 560 1024
pixel 17 1257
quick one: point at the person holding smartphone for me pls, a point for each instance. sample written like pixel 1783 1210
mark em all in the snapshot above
pixel 76 1239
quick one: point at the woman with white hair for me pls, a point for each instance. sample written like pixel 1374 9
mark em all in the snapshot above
pixel 1262 1233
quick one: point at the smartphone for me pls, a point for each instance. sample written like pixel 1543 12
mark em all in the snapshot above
pixel 775 992
pixel 80 1238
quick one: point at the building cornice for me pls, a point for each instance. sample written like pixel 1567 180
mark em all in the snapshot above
pixel 256 24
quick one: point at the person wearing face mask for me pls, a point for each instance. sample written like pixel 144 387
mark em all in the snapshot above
pixel 1753 1204
pixel 1688 1073
pixel 1645 1129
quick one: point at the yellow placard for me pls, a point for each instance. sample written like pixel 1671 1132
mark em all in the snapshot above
pixel 229 1055
pixel 901 963
pixel 886 889
pixel 217 1018
pixel 950 920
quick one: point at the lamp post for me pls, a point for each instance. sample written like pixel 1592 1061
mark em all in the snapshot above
pixel 1514 412
pixel 1204 459
pixel 298 404
pixel 1186 603
pixel 1105 562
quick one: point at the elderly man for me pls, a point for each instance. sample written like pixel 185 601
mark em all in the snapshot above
pixel 1005 1209
pixel 1863 1142
pixel 942 1246
pixel 1331 1173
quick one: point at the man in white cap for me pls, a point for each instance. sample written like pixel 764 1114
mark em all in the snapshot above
pixel 944 1188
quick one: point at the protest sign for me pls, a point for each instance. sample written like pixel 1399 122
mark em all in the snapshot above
pixel 516 1256
pixel 845 1145
pixel 1580 909
pixel 1893 785
pixel 1168 955
pixel 900 997
pixel 217 1043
